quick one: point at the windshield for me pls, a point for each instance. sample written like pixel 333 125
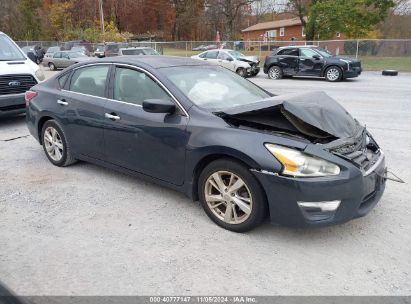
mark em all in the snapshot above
pixel 214 88
pixel 8 50
pixel 323 52
pixel 235 54
pixel 76 55
pixel 100 48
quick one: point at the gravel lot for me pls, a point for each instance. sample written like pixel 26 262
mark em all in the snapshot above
pixel 86 230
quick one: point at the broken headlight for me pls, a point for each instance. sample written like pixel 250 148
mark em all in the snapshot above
pixel 297 163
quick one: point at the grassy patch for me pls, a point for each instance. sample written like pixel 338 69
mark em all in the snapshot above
pixel 384 63
pixel 369 63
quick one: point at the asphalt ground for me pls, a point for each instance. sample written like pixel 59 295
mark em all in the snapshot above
pixel 86 230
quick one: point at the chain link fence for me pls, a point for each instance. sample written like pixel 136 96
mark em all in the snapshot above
pixel 396 53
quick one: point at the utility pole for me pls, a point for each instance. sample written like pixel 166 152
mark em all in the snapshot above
pixel 100 3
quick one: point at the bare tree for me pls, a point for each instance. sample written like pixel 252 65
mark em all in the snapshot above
pixel 230 11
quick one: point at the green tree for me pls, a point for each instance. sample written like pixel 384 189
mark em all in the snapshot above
pixel 31 24
pixel 355 18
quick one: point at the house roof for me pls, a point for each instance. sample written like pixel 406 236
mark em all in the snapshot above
pixel 273 24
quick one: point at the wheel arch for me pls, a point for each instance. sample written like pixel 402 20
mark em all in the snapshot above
pixel 40 125
pixel 332 65
pixel 207 159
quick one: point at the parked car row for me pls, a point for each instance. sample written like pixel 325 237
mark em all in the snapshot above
pixel 64 59
pixel 202 130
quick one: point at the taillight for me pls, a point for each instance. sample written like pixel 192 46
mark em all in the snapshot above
pixel 28 96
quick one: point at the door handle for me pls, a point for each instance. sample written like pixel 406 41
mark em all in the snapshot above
pixel 62 102
pixel 112 116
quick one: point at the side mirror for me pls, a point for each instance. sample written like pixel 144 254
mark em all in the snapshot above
pixel 159 106
pixel 31 56
pixel 316 57
pixel 230 59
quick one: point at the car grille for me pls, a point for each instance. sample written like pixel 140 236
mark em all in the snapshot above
pixel 364 152
pixel 15 84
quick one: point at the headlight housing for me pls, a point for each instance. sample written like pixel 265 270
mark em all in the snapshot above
pixel 40 75
pixel 300 164
pixel 347 62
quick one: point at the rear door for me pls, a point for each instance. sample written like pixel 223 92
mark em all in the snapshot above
pixel 288 59
pixel 308 65
pixel 150 143
pixel 83 100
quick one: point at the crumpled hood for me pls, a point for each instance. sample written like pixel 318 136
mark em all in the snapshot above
pixel 315 115
pixel 248 58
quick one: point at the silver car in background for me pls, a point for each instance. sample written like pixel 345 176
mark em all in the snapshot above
pixel 232 60
pixel 64 59
pixel 137 51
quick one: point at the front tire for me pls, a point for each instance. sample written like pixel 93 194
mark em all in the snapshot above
pixel 231 196
pixel 55 144
pixel 241 71
pixel 333 74
pixel 275 72
pixel 52 67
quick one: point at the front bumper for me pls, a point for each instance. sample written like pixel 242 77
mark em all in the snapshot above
pixel 12 104
pixel 358 193
pixel 353 72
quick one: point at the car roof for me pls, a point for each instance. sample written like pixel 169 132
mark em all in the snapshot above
pixel 136 48
pixel 155 62
pixel 223 50
pixel 298 46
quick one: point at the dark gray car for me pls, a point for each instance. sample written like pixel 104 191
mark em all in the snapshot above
pixel 203 130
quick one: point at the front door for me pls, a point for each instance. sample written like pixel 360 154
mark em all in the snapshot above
pixel 311 63
pixel 150 143
pixel 226 61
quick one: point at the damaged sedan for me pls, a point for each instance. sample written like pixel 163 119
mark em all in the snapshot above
pixel 302 159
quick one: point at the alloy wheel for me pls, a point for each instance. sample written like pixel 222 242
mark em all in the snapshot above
pixel 274 73
pixel 53 144
pixel 228 197
pixel 333 74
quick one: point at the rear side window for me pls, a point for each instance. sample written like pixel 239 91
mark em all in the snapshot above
pixel 57 55
pixel 90 80
pixel 134 87
pixel 288 52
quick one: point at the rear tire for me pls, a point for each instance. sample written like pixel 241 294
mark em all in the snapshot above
pixel 333 74
pixel 224 184
pixel 55 144
pixel 275 72
pixel 52 67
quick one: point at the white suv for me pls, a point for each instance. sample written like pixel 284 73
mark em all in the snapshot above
pixel 17 75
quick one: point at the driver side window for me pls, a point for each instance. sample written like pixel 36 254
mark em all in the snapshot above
pixel 134 87
pixel 223 56
pixel 308 53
